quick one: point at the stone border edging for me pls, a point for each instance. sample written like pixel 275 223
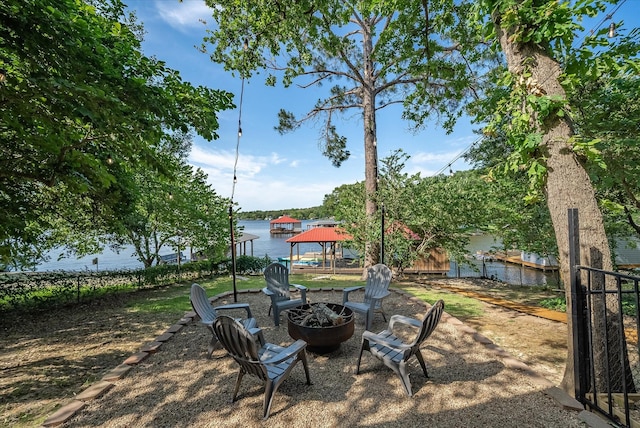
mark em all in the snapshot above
pixel 101 387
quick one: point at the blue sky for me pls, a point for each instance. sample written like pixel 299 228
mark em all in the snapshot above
pixel 280 171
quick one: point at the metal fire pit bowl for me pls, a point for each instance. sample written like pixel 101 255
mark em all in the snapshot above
pixel 321 340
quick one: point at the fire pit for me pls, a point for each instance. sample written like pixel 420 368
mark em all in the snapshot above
pixel 324 326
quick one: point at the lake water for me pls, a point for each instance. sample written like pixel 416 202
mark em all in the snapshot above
pixel 276 246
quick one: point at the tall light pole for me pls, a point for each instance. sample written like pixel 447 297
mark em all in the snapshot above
pixel 233 254
pixel 382 233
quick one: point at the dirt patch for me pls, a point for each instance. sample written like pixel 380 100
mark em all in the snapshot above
pixel 48 358
pixel 540 343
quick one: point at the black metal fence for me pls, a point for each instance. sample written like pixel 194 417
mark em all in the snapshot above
pixel 24 290
pixel 605 311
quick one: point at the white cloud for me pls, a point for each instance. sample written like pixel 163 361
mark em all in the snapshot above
pixel 431 163
pixel 417 169
pixel 428 157
pixel 185 15
pixel 273 194
pixel 222 162
pixel 276 159
pixel 262 182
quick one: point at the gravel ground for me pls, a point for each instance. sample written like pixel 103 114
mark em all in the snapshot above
pixel 469 385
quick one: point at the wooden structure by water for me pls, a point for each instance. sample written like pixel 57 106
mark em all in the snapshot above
pixel 437 263
pixel 330 237
pixel 241 243
pixel 516 258
pixel 285 225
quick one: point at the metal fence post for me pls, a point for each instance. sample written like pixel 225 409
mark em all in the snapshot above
pixel 580 354
pixel 78 289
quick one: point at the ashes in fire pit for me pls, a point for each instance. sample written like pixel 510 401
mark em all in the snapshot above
pixel 324 326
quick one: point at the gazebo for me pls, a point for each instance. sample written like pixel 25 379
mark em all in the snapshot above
pixel 321 236
pixel 285 225
pixel 241 243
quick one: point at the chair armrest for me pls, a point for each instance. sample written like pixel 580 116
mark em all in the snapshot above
pixel 377 298
pixel 346 291
pixel 244 306
pixel 257 332
pixel 288 352
pixel 303 291
pixel 404 320
pixel 268 292
pixel 380 340
pixel 299 287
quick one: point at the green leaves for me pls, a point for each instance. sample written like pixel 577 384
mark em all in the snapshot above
pixel 518 107
pixel 424 213
pixel 79 91
pixel 382 54
pixel 534 22
pixel 286 122
pixel 335 147
pixel 179 210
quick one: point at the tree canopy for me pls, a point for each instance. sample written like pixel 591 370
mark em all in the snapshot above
pixel 607 114
pixel 371 55
pixel 82 107
pixel 423 214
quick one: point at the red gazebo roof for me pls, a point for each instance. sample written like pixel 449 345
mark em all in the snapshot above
pixel 404 229
pixel 284 219
pixel 320 234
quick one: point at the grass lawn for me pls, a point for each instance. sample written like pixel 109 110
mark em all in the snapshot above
pixel 175 300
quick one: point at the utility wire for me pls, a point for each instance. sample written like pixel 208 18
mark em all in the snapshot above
pixel 607 17
pixel 462 153
pixel 235 163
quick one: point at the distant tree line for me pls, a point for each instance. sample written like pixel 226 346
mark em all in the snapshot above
pixel 297 213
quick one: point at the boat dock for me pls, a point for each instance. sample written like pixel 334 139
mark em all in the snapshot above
pixel 522 259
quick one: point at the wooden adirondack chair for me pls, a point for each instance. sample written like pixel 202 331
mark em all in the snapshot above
pixel 376 289
pixel 207 314
pixel 393 351
pixel 268 362
pixel 279 290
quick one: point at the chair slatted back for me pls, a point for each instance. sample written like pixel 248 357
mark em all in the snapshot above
pixel 201 305
pixel 378 280
pixel 429 323
pixel 277 277
pixel 241 345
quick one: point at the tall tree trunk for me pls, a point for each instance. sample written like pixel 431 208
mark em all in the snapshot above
pixel 567 186
pixel 372 251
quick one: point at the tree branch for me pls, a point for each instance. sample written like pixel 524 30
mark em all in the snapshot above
pixel 633 224
pixel 327 74
pixel 628 190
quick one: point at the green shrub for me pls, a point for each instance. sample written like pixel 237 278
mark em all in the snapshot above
pixel 20 290
pixel 560 304
pixel 555 303
pixel 247 265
